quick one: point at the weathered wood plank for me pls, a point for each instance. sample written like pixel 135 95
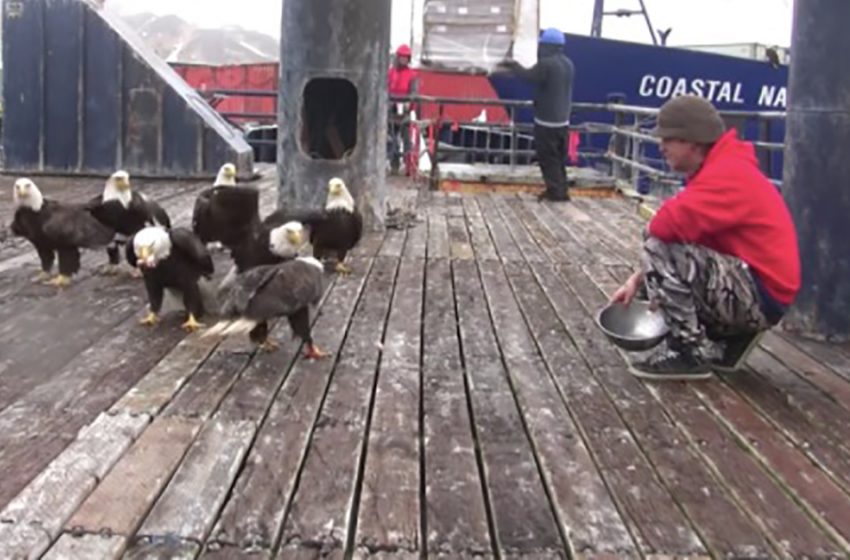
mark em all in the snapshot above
pixel 834 356
pixel 811 370
pixel 90 547
pixel 122 499
pixel 296 552
pixel 502 240
pixel 523 239
pixel 157 549
pixel 22 540
pixel 811 437
pixel 227 552
pixel 255 511
pixel 569 245
pixel 166 378
pixel 393 243
pixel 456 518
pixel 811 486
pixel 586 510
pixel 620 243
pixel 522 515
pixel 188 506
pixel 438 237
pixel 329 476
pixel 459 242
pixel 389 509
pixel 583 227
pixel 416 246
pixel 724 527
pixel 204 391
pixel 790 530
pixel 657 523
pixel 478 232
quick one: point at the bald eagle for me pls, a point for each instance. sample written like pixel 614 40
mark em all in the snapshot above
pixel 126 212
pixel 334 230
pixel 226 213
pixel 266 292
pixel 56 228
pixel 171 260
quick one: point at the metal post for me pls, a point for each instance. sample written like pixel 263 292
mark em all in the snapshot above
pixel 514 138
pixel 596 26
pixel 816 170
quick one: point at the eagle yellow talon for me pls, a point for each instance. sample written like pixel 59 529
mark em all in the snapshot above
pixel 150 319
pixel 269 345
pixel 342 268
pixel 313 352
pixel 60 281
pixel 191 324
pixel 41 277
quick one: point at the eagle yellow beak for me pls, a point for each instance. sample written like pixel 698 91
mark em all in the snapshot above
pixel 336 189
pixel 230 172
pixel 144 255
pixel 22 193
pixel 294 237
pixel 122 184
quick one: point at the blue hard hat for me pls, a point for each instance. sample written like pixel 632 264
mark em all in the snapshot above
pixel 552 36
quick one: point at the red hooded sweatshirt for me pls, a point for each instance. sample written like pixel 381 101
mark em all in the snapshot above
pixel 731 207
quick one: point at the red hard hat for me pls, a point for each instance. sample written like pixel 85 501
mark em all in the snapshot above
pixel 403 50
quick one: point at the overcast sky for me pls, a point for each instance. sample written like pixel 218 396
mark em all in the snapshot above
pixel 693 21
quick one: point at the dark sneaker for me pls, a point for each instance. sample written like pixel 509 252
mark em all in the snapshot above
pixel 736 349
pixel 544 196
pixel 671 365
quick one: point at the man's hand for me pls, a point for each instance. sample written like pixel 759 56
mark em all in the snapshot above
pixel 626 293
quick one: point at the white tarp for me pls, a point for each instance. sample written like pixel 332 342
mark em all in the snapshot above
pixel 475 34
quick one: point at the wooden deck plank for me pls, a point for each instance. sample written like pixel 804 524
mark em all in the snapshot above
pixel 22 540
pixel 834 356
pixel 393 243
pixel 819 375
pixel 122 499
pixel 824 500
pixel 530 250
pixel 456 518
pixel 416 246
pixel 774 405
pixel 438 237
pixel 328 483
pixel 502 240
pixel 522 516
pixel 34 426
pixel 255 511
pixel 589 233
pixel 51 498
pixel 478 233
pixel 170 549
pixel 592 523
pixel 207 387
pixel 389 508
pixel 167 377
pixel 100 547
pixel 188 506
pixel 459 242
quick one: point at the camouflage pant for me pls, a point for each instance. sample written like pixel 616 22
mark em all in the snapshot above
pixel 703 293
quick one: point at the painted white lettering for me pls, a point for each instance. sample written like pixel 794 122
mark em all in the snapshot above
pixel 664 87
pixel 781 98
pixel 738 98
pixel 766 96
pixel 697 87
pixel 646 84
pixel 681 87
pixel 725 95
pixel 712 88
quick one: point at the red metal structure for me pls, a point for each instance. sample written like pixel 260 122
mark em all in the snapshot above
pixel 254 77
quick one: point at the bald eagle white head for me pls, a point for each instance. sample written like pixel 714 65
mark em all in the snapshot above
pixel 27 195
pixel 118 188
pixel 286 240
pixel 338 196
pixel 152 245
pixel 226 176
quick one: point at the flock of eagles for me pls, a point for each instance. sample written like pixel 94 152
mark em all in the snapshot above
pixel 270 276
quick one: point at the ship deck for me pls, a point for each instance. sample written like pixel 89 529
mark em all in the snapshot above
pixel 471 408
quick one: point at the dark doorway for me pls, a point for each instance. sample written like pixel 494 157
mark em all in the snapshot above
pixel 329 118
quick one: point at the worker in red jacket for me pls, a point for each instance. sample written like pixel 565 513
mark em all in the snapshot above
pixel 402 80
pixel 720 258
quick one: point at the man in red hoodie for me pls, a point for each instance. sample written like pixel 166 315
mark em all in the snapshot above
pixel 402 80
pixel 720 258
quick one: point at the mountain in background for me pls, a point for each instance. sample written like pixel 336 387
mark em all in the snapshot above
pixel 176 40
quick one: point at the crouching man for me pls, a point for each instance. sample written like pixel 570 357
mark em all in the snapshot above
pixel 720 258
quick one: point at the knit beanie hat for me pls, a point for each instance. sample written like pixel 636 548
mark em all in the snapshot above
pixel 690 118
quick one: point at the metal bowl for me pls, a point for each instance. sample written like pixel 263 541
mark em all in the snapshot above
pixel 634 327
